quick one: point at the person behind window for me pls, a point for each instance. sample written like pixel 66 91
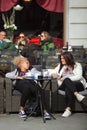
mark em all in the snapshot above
pixel 70 79
pixel 46 41
pixel 2 36
pixel 5 43
pixel 28 87
pixel 21 41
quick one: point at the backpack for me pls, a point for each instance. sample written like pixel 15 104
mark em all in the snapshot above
pixel 32 108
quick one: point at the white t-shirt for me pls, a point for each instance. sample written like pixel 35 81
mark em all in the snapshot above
pixel 67 72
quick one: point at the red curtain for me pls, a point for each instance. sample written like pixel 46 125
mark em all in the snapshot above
pixel 6 5
pixel 51 5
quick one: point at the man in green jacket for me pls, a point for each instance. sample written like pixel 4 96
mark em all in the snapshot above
pixel 5 44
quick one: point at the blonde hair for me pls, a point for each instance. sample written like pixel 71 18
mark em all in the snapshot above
pixel 17 60
pixel 46 34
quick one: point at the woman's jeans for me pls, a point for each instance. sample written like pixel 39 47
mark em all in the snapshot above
pixel 29 89
pixel 70 87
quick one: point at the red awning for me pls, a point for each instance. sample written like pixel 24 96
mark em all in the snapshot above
pixel 6 5
pixel 51 5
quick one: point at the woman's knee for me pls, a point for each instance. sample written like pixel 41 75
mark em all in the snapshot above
pixel 26 90
pixel 67 80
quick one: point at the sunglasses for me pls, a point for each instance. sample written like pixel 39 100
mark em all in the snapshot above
pixel 42 35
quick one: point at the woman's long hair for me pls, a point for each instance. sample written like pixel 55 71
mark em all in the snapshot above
pixel 47 35
pixel 68 58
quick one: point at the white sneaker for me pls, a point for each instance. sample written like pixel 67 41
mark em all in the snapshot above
pixel 66 113
pixel 22 114
pixel 80 97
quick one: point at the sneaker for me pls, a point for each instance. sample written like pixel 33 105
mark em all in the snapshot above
pixel 80 97
pixel 47 116
pixel 66 113
pixel 22 114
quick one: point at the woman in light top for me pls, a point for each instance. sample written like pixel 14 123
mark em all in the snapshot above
pixel 28 87
pixel 70 79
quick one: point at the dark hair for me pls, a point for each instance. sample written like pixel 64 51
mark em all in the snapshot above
pixel 2 30
pixel 68 58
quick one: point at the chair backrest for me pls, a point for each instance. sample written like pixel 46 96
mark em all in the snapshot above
pixel 58 42
pixel 2 74
pixel 84 71
pixel 38 67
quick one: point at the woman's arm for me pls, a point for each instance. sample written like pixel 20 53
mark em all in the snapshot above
pixel 12 75
pixel 34 72
pixel 77 72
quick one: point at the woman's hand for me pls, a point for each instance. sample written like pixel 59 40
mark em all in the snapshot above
pixel 21 77
pixel 62 79
pixel 55 75
pixel 19 40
